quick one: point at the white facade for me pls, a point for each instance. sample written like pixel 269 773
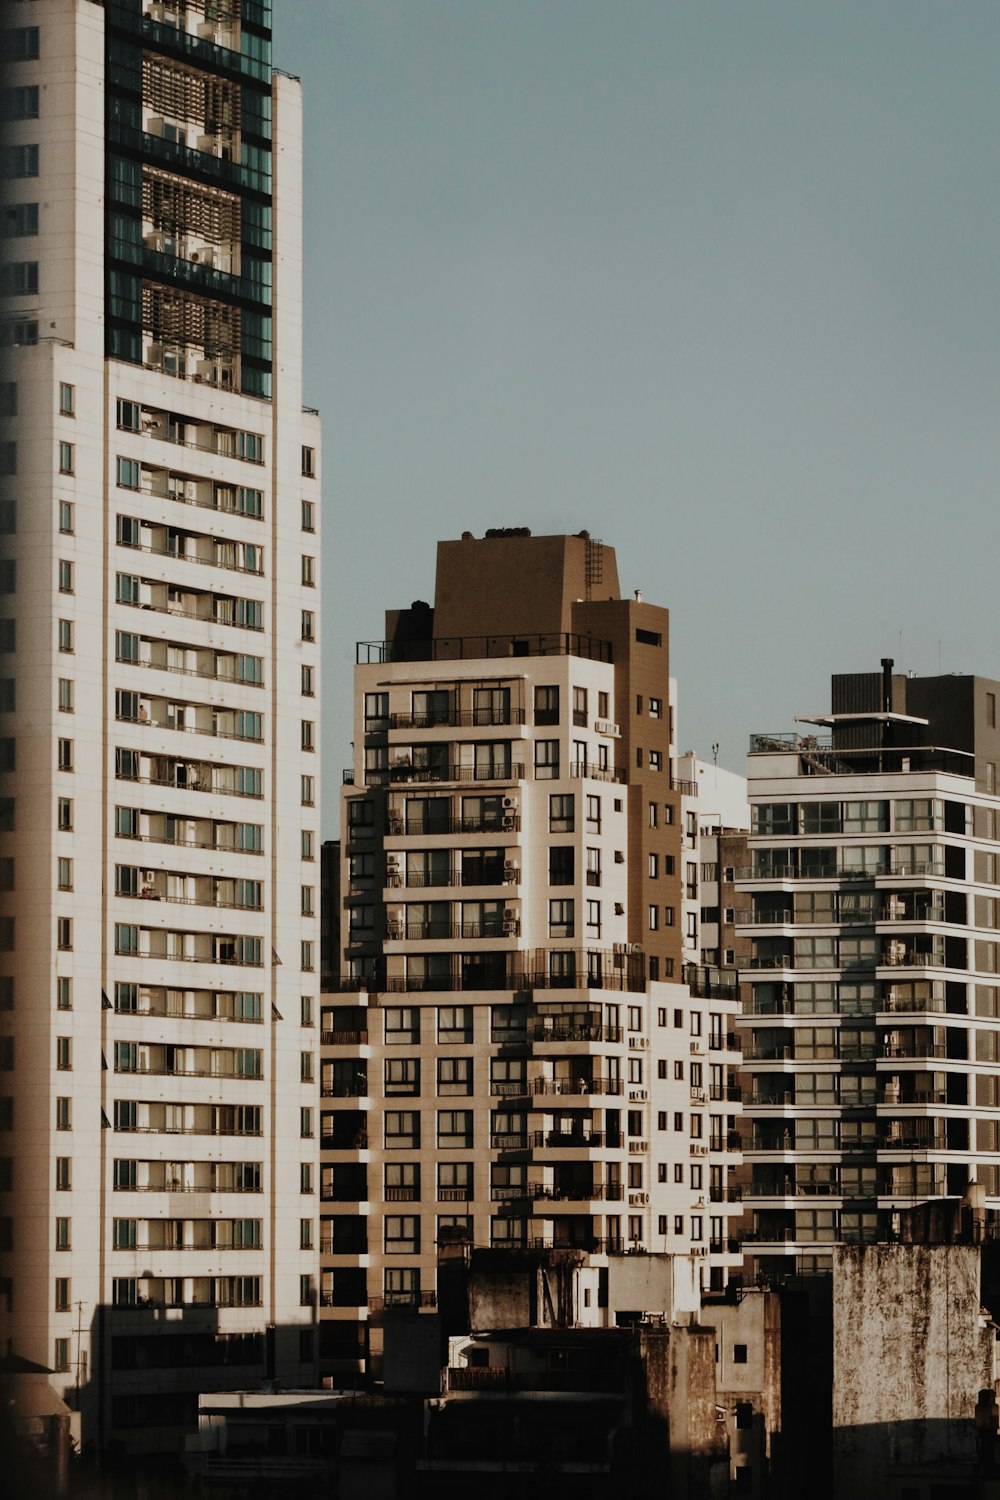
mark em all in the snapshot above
pixel 163 826
pixel 873 1037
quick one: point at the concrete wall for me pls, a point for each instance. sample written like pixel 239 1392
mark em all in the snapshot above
pixel 911 1353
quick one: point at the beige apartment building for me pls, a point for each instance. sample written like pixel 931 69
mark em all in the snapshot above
pixel 159 972
pixel 510 1055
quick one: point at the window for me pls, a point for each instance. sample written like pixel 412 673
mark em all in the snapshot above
pixel 455 1023
pixel 580 707
pixel 306 1067
pixel 656 708
pixel 64 1114
pixel 593 814
pixel 546 705
pixel 66 636
pixel 62 1300
pixel 561 865
pixel 593 919
pixel 653 918
pixel 64 994
pixel 64 873
pixel 66 517
pixel 65 695
pixel 308 516
pixel 67 458
pixel 308 731
pixel 65 576
pixel 562 812
pixel 308 625
pixel 308 681
pixel 739 1354
pixel 308 462
pixel 546 760
pixel 561 919
pixel 307 844
pixel 63 1174
pixel 308 571
pixel 19 161
pixel 402 1128
pixel 127 474
pixel 64 814
pixel 454 1128
pixel 64 933
pixel 454 1075
pixel 308 791
pixel 402 1234
pixel 402 1075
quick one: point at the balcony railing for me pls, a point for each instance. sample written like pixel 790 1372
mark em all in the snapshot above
pixel 563 1087
pixel 472 647
pixel 474 718
pixel 850 872
pixel 570 1139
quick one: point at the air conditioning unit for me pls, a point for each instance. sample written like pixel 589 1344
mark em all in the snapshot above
pixel 154 356
pixel 153 241
pixel 510 873
pixel 699 1249
pixel 697 1150
pixel 637 1200
pixel 638 1096
pixel 394 930
pixel 206 144
pixel 204 369
pixel 510 914
pixel 392 863
pixel 608 728
pixel 510 804
pixel 507 822
pixel 621 947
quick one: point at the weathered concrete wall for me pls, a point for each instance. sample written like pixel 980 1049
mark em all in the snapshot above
pixel 680 1390
pixel 910 1357
pixel 755 1323
pixel 500 1299
pixel 652 1284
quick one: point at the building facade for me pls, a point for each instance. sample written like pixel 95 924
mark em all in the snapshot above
pixel 872 1038
pixel 510 1058
pixel 160 631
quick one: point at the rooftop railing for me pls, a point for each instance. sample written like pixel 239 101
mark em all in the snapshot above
pixel 476 647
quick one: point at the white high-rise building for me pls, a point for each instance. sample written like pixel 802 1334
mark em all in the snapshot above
pixel 160 635
pixel 872 1030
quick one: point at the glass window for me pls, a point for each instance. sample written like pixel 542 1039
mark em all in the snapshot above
pixel 546 705
pixel 546 760
pixel 562 812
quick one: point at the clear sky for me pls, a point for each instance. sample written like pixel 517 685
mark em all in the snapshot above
pixel 716 281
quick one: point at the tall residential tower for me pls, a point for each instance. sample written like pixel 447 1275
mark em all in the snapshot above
pixel 160 629
pixel 872 1046
pixel 512 1060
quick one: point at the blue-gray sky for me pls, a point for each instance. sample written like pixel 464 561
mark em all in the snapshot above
pixel 717 281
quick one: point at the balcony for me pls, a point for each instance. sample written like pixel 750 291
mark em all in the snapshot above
pixel 568 1140
pixel 474 647
pixel 579 1087
pixel 816 757
pixel 410 774
pixel 468 718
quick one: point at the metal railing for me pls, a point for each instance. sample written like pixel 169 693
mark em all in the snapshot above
pixel 473 647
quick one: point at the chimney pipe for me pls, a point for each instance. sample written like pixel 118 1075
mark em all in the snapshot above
pixel 887 665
